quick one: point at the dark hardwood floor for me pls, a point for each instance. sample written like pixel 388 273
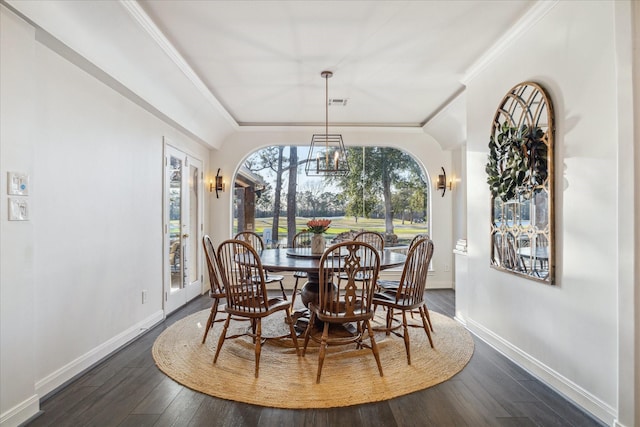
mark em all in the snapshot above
pixel 128 390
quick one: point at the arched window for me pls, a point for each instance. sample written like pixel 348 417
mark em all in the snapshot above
pixel 386 190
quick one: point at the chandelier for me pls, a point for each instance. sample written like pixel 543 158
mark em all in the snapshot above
pixel 327 155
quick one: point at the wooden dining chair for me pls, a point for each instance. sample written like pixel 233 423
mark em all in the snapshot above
pixel 392 285
pixel 416 238
pixel 373 238
pixel 344 302
pixel 245 290
pixel 257 243
pixel 216 290
pixel 410 294
pixel 300 240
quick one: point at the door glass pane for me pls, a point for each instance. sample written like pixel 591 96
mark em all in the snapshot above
pixel 192 272
pixel 175 221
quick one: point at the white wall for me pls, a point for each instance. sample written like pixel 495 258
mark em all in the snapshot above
pixel 128 54
pixel 459 192
pixel 72 276
pixel 566 334
pixel 628 69
pixel 17 310
pixel 422 146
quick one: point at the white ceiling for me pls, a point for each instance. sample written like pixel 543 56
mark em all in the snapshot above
pixel 396 62
pixel 210 68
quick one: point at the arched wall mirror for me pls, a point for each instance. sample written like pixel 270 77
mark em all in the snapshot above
pixel 521 180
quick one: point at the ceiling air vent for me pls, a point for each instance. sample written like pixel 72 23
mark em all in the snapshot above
pixel 341 102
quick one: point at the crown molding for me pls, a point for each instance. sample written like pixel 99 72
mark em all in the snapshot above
pixel 528 20
pixel 145 22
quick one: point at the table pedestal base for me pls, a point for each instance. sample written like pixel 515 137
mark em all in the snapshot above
pixel 310 292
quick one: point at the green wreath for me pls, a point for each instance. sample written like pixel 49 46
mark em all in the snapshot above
pixel 517 161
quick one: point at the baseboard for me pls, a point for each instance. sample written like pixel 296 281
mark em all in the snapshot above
pixel 61 376
pixel 439 284
pixel 21 413
pixel 579 396
pixel 461 320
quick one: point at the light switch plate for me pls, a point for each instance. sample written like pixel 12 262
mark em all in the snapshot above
pixel 17 183
pixel 18 209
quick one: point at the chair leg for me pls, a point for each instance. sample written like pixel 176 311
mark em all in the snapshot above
pixel 253 329
pixel 359 332
pixel 258 344
pixel 425 322
pixel 212 316
pixel 307 332
pixel 293 295
pixel 374 346
pixel 323 350
pixel 405 336
pixel 222 337
pixel 294 337
pixel 426 310
pixel 389 320
pixel 284 294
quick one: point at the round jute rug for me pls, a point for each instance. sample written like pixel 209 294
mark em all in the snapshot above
pixel 349 376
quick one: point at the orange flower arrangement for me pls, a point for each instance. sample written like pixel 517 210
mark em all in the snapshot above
pixel 318 226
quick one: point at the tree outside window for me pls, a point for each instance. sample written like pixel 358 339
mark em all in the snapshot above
pixel 386 190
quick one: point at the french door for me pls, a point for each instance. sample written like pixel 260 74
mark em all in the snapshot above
pixel 182 228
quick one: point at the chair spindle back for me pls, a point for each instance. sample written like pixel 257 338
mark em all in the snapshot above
pixel 243 277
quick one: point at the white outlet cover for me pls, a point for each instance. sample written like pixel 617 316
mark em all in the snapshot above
pixel 18 209
pixel 17 183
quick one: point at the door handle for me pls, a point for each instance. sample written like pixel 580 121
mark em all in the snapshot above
pixel 184 236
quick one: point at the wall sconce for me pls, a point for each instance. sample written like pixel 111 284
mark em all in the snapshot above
pixel 442 183
pixel 219 185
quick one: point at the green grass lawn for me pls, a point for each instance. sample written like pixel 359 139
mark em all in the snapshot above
pixel 405 232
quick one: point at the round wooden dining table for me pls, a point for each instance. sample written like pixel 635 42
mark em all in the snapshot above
pixel 301 259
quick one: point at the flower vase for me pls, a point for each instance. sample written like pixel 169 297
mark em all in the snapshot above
pixel 317 244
